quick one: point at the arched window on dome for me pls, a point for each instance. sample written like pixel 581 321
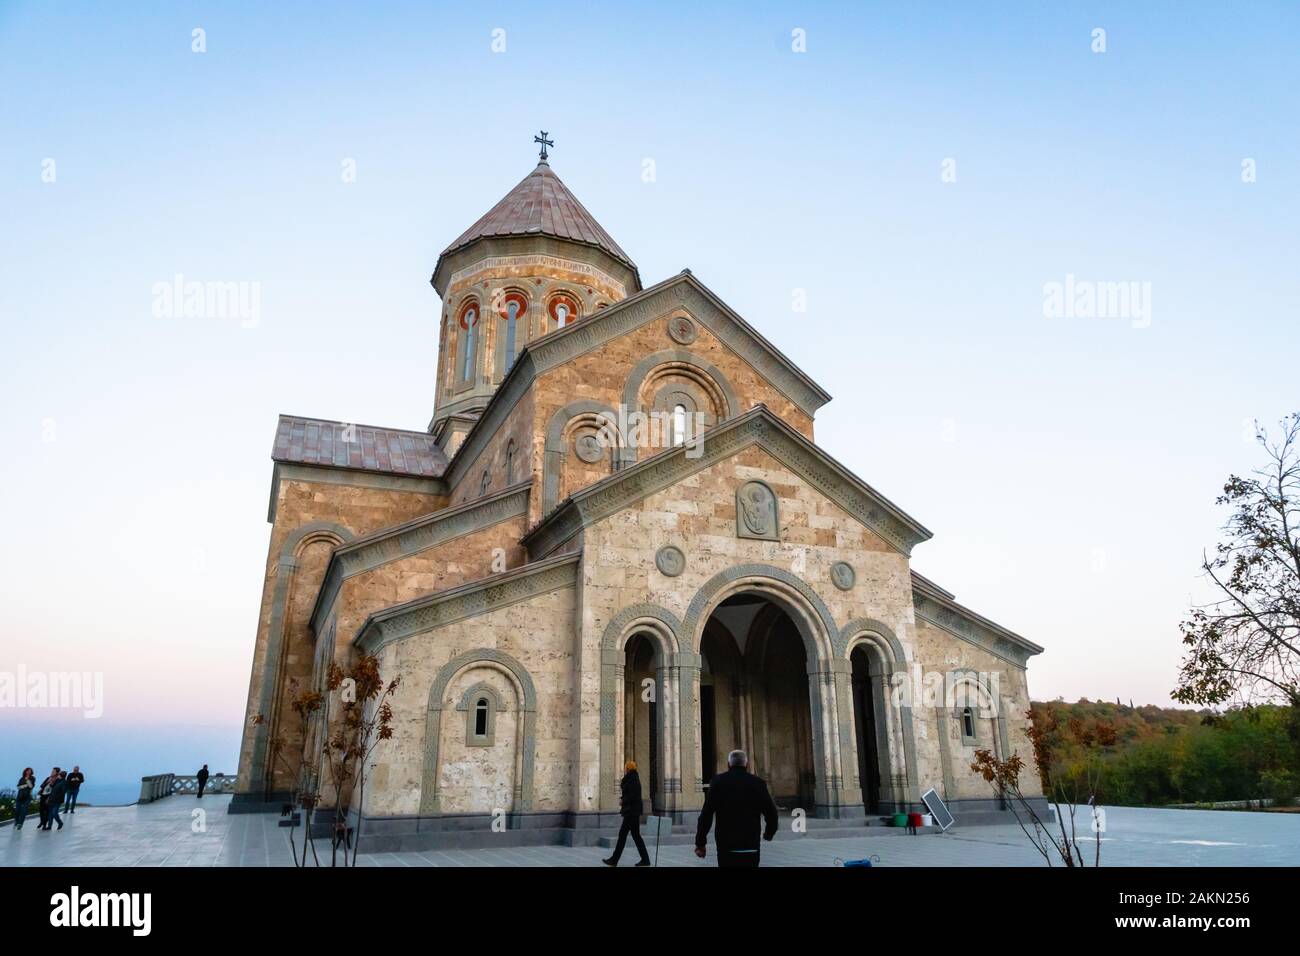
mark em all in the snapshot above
pixel 468 351
pixel 513 311
pixel 563 310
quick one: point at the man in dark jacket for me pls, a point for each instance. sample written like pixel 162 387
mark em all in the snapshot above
pixel 739 799
pixel 75 780
pixel 630 805
pixel 202 777
pixel 58 787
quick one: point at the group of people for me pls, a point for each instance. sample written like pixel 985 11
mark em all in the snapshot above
pixel 738 799
pixel 57 792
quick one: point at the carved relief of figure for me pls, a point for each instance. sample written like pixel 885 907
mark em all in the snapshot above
pixel 756 511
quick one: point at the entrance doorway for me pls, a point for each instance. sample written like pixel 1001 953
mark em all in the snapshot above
pixel 641 730
pixel 755 696
pixel 865 727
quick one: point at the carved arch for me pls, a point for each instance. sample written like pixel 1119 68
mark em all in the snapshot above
pixel 526 695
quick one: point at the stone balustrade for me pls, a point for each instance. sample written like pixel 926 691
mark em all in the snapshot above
pixel 165 784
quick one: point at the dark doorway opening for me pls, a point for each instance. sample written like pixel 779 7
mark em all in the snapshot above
pixel 864 718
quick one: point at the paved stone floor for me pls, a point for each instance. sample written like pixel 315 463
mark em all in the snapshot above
pixel 164 834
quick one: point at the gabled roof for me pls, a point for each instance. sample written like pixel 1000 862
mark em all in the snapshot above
pixel 592 331
pixel 541 205
pixel 936 606
pixel 392 451
pixel 758 426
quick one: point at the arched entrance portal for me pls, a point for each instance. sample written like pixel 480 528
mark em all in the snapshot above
pixel 642 716
pixel 755 696
pixel 866 723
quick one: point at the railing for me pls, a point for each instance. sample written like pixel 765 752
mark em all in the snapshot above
pixel 165 784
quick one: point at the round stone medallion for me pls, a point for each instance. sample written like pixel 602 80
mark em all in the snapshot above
pixel 842 575
pixel 681 330
pixel 670 561
pixel 588 448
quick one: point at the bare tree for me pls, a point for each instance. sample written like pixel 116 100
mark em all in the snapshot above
pixel 365 719
pixel 1244 646
pixel 1067 797
pixel 303 704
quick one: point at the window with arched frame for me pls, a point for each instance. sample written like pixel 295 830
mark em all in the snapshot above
pixel 481 710
pixel 562 309
pixel 510 462
pixel 680 424
pixel 468 320
pixel 968 729
pixel 484 483
pixel 513 311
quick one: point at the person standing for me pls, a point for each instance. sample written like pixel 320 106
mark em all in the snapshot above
pixel 54 798
pixel 740 801
pixel 75 780
pixel 23 796
pixel 630 806
pixel 43 800
pixel 202 777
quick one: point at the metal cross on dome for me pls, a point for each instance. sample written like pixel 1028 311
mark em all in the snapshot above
pixel 544 141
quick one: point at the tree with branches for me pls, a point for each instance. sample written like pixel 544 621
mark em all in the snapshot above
pixel 1082 789
pixel 364 720
pixel 304 704
pixel 1244 645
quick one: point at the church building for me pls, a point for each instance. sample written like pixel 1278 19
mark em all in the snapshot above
pixel 616 540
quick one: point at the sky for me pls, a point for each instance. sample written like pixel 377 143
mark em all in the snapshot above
pixel 887 192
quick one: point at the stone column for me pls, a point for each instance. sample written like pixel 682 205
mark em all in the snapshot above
pixel 851 786
pixel 943 718
pixel 612 722
pixel 685 672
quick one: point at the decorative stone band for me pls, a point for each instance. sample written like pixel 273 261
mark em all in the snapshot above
pixel 682 291
pixel 961 622
pixel 467 600
pixel 497 265
pixel 756 427
pixel 402 541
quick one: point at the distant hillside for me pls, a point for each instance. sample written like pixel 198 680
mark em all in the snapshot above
pixel 1165 755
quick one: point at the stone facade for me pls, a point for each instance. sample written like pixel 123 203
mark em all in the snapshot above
pixel 569 592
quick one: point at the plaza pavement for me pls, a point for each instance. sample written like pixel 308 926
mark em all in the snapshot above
pixel 162 834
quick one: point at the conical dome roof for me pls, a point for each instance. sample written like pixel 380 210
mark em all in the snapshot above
pixel 541 205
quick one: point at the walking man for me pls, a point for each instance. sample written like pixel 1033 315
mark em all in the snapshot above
pixel 58 786
pixel 202 776
pixel 740 801
pixel 630 806
pixel 75 780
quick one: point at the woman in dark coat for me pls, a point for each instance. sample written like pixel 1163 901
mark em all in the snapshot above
pixel 630 807
pixel 23 800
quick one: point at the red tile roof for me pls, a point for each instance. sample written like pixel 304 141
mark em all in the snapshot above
pixel 541 205
pixel 394 451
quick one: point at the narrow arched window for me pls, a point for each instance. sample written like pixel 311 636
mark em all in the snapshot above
pixel 484 483
pixel 563 309
pixel 680 425
pixel 510 462
pixel 481 717
pixel 512 320
pixel 968 725
pixel 469 341
pixel 513 309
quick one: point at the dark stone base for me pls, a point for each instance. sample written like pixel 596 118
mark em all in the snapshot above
pixel 259 802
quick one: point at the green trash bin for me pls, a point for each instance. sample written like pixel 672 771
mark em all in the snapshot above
pixel 900 819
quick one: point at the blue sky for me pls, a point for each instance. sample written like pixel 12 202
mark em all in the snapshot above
pixel 1067 466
